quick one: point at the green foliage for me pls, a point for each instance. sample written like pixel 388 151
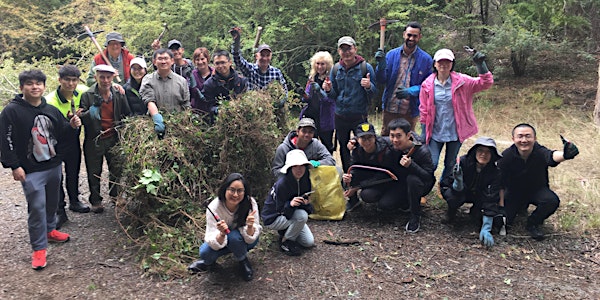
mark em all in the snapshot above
pixel 167 181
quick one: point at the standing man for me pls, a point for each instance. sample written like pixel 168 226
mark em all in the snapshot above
pixel 304 139
pixel 67 98
pixel 224 83
pixel 402 71
pixel 413 168
pixel 29 129
pixel 524 172
pixel 260 74
pixel 352 84
pixel 119 58
pixel 164 90
pixel 181 65
pixel 102 110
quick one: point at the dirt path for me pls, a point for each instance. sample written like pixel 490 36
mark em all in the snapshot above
pixel 439 261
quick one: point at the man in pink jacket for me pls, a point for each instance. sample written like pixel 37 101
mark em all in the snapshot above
pixel 447 106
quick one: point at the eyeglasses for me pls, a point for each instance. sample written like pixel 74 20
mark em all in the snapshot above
pixel 220 63
pixel 236 191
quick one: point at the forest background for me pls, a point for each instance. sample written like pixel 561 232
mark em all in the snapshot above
pixel 539 51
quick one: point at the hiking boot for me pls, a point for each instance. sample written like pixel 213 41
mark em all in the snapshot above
pixel 198 266
pixel 97 208
pixel 61 218
pixel 290 248
pixel 414 224
pixel 246 269
pixel 353 204
pixel 79 207
pixel 450 216
pixel 58 237
pixel 38 259
pixel 535 231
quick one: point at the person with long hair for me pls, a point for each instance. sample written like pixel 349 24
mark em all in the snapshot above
pixel 201 73
pixel 234 228
pixel 138 70
pixel 320 107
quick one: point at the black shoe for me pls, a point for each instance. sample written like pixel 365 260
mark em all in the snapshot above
pixel 290 248
pixel 78 206
pixel 414 224
pixel 246 269
pixel 353 203
pixel 198 266
pixel 536 232
pixel 61 218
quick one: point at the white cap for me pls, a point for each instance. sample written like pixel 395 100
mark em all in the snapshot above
pixel 138 60
pixel 104 68
pixel 295 157
pixel 443 54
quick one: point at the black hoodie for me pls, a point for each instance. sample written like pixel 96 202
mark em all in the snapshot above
pixel 30 134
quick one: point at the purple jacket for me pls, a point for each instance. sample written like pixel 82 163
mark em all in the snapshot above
pixel 327 107
pixel 463 89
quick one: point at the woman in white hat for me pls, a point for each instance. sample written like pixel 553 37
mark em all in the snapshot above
pixel 137 69
pixel 447 106
pixel 287 206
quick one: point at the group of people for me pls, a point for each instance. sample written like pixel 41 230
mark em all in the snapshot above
pixel 394 169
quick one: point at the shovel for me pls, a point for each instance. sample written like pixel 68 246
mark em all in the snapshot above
pixel 90 34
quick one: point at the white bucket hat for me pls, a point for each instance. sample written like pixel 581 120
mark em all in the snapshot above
pixel 295 157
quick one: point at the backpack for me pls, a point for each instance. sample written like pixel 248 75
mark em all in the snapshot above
pixel 363 68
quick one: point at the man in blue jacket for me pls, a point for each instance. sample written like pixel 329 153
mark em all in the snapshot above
pixel 402 71
pixel 351 84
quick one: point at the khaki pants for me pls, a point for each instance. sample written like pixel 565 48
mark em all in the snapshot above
pixel 389 116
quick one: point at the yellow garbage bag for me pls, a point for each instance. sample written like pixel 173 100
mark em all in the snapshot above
pixel 328 199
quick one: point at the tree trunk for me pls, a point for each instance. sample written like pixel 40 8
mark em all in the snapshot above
pixel 597 107
pixel 518 61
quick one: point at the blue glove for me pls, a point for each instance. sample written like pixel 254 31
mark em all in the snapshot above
pixel 95 112
pixel 479 59
pixel 159 125
pixel 315 163
pixel 380 58
pixel 458 184
pixel 402 93
pixel 485 234
pixel 214 110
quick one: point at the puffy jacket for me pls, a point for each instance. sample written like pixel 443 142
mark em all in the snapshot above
pixel 421 164
pixel 351 99
pixel 283 191
pixel 218 87
pixel 419 72
pixel 314 151
pixel 463 89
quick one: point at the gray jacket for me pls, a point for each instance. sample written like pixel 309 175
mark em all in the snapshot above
pixel 314 151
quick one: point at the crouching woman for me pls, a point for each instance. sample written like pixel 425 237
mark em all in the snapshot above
pixel 236 232
pixel 288 205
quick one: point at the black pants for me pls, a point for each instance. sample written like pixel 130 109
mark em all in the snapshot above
pixel 71 157
pixel 386 196
pixel 343 127
pixel 326 138
pixel 545 200
pixel 405 194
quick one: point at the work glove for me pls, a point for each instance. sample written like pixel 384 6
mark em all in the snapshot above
pixel 315 163
pixel 95 112
pixel 569 149
pixel 485 235
pixel 235 34
pixel 159 125
pixel 402 93
pixel 479 59
pixel 315 87
pixel 380 58
pixel 458 184
pixel 214 110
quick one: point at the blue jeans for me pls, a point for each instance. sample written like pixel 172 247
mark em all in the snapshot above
pixel 235 245
pixel 452 149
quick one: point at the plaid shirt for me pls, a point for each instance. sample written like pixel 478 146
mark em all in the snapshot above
pixel 256 79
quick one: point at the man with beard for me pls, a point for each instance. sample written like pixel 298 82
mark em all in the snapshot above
pixel 352 84
pixel 402 71
pixel 524 173
pixel 225 82
pixel 164 90
pixel 260 74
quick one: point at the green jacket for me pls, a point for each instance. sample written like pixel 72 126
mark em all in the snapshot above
pixel 92 98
